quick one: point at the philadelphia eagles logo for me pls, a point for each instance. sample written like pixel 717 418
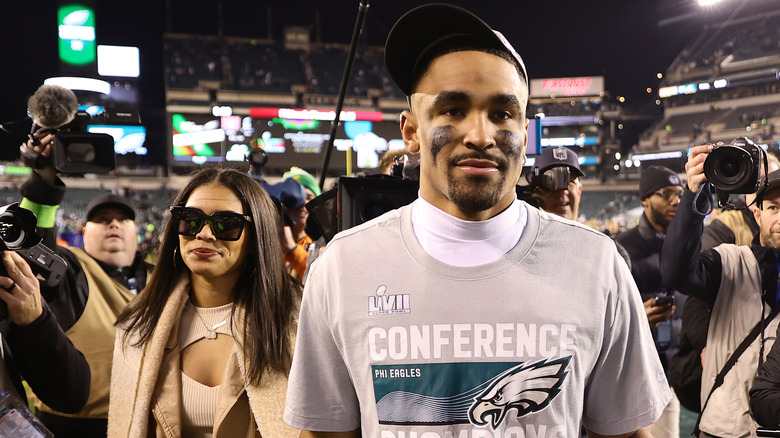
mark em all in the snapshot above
pixel 525 388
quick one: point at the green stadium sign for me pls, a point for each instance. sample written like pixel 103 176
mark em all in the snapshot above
pixel 76 24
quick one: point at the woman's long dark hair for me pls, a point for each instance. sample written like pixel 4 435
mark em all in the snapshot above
pixel 268 295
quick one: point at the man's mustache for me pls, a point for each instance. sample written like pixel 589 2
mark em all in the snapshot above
pixel 501 162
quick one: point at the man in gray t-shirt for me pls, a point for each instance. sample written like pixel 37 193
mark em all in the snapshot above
pixel 466 313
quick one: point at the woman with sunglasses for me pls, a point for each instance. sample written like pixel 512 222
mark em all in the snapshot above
pixel 205 348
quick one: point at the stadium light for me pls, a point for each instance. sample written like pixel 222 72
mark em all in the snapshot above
pixel 708 2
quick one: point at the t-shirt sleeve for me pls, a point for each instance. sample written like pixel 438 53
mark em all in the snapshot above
pixel 320 393
pixel 627 389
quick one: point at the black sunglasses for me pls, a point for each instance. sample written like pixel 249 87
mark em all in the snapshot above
pixel 224 224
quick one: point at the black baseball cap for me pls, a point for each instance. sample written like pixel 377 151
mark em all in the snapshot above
pixel 558 156
pixel 426 27
pixel 110 200
pixel 773 183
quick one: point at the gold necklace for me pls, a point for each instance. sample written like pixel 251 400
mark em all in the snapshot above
pixel 211 333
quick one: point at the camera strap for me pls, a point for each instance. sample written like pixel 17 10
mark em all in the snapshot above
pixel 703 200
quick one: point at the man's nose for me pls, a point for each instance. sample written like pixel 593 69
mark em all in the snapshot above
pixel 479 132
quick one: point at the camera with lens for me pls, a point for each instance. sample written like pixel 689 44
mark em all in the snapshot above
pixel 75 150
pixel 551 180
pixel 736 167
pixel 17 233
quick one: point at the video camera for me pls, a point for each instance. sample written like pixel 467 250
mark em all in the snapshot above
pixel 552 180
pixel 76 151
pixel 55 109
pixel 17 233
pixel 736 168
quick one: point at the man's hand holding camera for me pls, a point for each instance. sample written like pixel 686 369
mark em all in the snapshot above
pixel 20 290
pixel 41 148
pixel 694 167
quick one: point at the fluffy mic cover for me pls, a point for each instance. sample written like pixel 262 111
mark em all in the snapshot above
pixel 52 106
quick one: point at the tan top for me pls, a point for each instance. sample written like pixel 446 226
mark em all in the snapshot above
pixel 199 401
pixel 93 334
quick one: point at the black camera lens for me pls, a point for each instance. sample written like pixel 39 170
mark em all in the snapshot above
pixel 11 232
pixel 17 228
pixel 731 168
pixel 81 153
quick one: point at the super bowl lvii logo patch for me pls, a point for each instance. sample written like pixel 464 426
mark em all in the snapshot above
pixel 383 303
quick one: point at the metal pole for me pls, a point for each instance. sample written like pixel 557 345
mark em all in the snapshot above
pixel 362 9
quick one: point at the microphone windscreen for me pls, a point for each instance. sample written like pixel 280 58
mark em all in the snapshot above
pixel 52 106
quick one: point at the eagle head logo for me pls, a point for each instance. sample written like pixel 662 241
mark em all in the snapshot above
pixel 526 388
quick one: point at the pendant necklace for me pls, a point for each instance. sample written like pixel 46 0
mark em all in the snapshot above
pixel 211 333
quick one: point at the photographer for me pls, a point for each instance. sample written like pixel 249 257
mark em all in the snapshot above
pixel 34 347
pixel 100 281
pixel 553 195
pixel 730 278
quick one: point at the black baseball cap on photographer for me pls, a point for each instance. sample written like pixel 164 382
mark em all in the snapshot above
pixel 110 200
pixel 773 183
pixel 420 31
pixel 558 156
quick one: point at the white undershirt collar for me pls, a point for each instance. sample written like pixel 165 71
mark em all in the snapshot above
pixel 459 242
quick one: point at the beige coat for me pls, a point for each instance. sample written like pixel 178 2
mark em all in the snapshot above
pixel 146 387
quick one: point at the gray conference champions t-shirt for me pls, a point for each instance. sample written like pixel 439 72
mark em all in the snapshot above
pixel 550 336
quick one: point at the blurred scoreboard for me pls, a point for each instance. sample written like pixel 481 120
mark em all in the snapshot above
pixel 290 137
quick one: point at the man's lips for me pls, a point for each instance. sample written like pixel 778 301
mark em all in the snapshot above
pixel 477 166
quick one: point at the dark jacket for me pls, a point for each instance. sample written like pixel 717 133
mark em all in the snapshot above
pixel 644 244
pixel 694 272
pixel 765 394
pixel 42 355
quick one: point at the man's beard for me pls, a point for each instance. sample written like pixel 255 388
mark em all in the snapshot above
pixel 478 194
pixel 475 193
pixel 659 218
pixel 767 240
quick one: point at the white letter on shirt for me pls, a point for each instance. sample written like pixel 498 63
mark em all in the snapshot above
pixel 376 353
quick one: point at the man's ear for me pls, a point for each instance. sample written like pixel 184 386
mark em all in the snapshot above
pixel 756 213
pixel 645 202
pixel 409 132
